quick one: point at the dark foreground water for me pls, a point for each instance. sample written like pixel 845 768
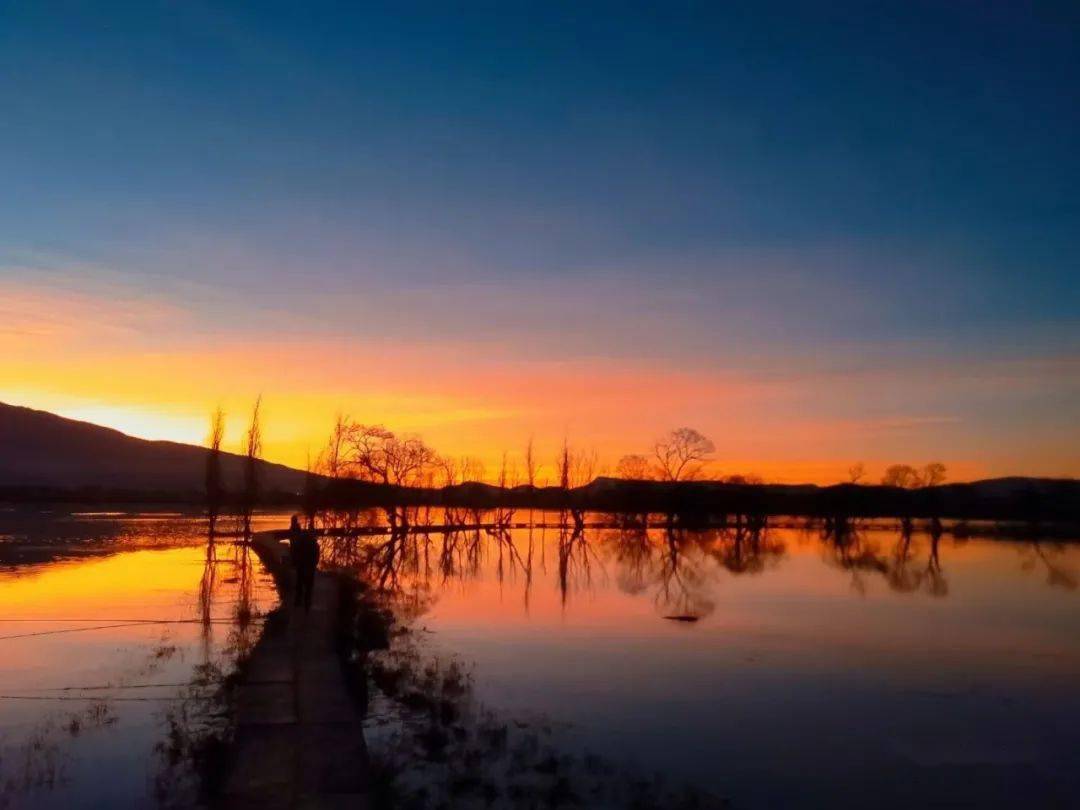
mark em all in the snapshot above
pixel 776 668
pixel 784 667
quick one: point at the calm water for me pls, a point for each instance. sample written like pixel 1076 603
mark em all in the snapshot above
pixel 776 668
pixel 772 669
pixel 115 632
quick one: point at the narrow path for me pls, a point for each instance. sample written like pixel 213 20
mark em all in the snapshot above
pixel 299 740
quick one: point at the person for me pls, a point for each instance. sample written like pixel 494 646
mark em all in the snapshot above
pixel 304 550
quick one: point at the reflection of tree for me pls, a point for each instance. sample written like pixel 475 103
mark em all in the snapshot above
pixel 207 586
pixel 676 564
pixel 682 591
pixel 1058 575
pixel 576 557
pixel 633 553
pixel 748 547
pixel 681 565
pixel 848 547
pixel 244 635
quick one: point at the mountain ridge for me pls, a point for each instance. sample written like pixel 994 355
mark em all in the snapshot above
pixel 45 456
pixel 39 449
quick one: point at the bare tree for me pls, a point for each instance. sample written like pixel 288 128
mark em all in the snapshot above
pixel 252 454
pixel 508 474
pixel 530 463
pixel 681 454
pixel 634 467
pixel 311 489
pixel 378 455
pixel 472 469
pixel 933 474
pixel 333 461
pixel 856 472
pixel 901 475
pixel 584 465
pixel 743 479
pixel 562 465
pixel 448 469
pixel 214 488
pixel 907 477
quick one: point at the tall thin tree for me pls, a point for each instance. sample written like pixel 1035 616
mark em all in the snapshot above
pixel 252 454
pixel 214 488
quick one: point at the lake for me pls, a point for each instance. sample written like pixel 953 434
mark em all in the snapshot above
pixel 115 634
pixel 785 665
pixel 772 668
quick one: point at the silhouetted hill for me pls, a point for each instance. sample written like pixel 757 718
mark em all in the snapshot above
pixel 41 452
pixel 1015 498
pixel 43 456
pixel 1023 499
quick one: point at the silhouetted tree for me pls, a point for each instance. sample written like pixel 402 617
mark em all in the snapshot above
pixel 901 475
pixel 680 455
pixel 530 464
pixel 252 454
pixel 376 454
pixel 634 467
pixel 933 474
pixel 333 461
pixel 562 466
pixel 856 472
pixel 472 469
pixel 508 474
pixel 448 470
pixel 907 477
pixel 745 479
pixel 214 488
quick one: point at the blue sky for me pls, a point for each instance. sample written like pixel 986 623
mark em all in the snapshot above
pixel 773 189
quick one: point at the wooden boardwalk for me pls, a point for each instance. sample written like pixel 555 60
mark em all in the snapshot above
pixel 299 741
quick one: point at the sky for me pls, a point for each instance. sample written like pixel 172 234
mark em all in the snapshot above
pixel 818 233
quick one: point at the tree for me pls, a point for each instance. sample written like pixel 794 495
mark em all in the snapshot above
pixel 856 472
pixel 901 475
pixel 562 465
pixel 634 467
pixel 214 489
pixel 933 474
pixel 508 476
pixel 681 454
pixel 376 454
pixel 907 477
pixel 530 464
pixel 448 469
pixel 252 454
pixel 472 469
pixel 333 460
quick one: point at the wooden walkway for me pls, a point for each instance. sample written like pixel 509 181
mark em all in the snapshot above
pixel 299 740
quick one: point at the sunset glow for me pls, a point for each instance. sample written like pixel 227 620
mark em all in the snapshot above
pixel 591 255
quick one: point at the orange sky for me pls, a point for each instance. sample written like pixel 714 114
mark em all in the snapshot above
pixel 156 369
pixel 486 225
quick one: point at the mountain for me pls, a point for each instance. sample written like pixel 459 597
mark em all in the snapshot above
pixel 42 451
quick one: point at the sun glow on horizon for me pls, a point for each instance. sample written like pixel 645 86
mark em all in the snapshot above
pixel 777 420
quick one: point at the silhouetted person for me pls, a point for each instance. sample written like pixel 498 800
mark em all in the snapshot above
pixel 304 550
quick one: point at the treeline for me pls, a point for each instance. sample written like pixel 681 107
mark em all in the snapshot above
pixel 370 465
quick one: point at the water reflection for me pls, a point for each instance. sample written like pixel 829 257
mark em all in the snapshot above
pixel 116 640
pixel 902 646
pixel 911 564
pixel 411 550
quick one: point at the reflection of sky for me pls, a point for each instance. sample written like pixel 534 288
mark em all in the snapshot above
pixel 86 616
pixel 796 688
pixel 817 235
